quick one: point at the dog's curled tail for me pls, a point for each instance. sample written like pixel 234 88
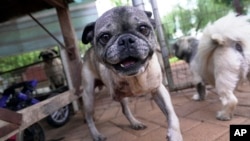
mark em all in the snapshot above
pixel 218 34
pixel 228 27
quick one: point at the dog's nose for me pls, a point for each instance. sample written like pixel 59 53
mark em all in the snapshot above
pixel 126 41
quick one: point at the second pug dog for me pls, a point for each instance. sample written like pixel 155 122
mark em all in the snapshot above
pixel 185 48
pixel 123 58
pixel 53 68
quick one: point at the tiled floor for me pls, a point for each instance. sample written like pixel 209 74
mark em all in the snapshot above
pixel 197 119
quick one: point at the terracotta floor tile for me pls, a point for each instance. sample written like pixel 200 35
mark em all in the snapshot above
pixel 209 116
pixel 109 113
pixel 224 137
pixel 204 132
pixel 121 123
pixel 144 106
pixel 197 119
pixel 242 111
pixel 156 135
pixel 190 107
pixel 180 100
pixel 155 116
pixel 108 129
pixel 188 124
pixel 122 136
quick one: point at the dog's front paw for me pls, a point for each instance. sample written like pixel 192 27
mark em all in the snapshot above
pixel 222 115
pixel 138 126
pixel 174 135
pixel 99 138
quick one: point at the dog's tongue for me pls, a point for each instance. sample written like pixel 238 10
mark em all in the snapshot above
pixel 127 63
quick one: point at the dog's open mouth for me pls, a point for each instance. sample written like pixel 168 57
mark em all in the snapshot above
pixel 129 65
pixel 128 62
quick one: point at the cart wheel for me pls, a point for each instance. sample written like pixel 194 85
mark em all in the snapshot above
pixel 59 117
pixel 33 133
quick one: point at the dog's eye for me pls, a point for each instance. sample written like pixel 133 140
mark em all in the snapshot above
pixel 104 38
pixel 238 47
pixel 144 30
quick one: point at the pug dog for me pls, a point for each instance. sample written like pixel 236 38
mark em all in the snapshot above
pixel 53 68
pixel 185 48
pixel 123 58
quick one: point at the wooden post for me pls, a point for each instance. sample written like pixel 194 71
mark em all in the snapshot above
pixel 70 53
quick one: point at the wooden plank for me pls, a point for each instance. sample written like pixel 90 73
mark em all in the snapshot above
pixel 3 123
pixel 42 109
pixel 10 116
pixel 8 129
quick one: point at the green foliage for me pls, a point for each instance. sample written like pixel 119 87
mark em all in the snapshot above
pixel 120 2
pixel 20 60
pixel 173 60
pixel 12 62
pixel 188 20
pixel 82 47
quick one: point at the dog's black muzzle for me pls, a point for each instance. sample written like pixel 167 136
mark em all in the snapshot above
pixel 132 55
pixel 47 57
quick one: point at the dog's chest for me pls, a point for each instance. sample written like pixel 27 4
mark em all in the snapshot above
pixel 53 68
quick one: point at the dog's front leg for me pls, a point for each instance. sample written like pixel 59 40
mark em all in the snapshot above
pixel 88 102
pixel 162 98
pixel 136 124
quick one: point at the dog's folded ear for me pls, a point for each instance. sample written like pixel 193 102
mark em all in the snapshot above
pixel 40 55
pixel 149 14
pixel 88 33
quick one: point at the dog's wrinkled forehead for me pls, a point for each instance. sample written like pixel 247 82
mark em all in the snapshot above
pixel 124 17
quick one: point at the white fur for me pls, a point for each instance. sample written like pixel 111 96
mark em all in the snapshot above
pixel 218 63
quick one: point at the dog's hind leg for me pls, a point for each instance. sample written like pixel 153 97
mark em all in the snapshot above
pixel 88 103
pixel 163 100
pixel 201 92
pixel 200 85
pixel 136 124
pixel 229 101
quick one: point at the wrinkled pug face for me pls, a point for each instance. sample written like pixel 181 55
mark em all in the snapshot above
pixel 48 55
pixel 124 40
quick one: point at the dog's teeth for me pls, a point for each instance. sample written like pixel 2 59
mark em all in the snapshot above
pixel 122 65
